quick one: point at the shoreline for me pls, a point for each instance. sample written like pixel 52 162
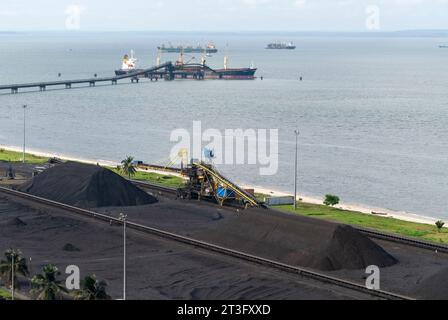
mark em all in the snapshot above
pixel 365 209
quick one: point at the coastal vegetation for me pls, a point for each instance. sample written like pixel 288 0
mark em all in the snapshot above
pixel 163 179
pixel 331 200
pixel 440 224
pixel 156 178
pixel 127 167
pixel 13 156
pixel 92 289
pixel 5 294
pixel 419 231
pixel 46 285
pixel 14 261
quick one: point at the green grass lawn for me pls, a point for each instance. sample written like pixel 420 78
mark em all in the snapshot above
pixel 164 180
pixel 13 156
pixel 6 294
pixel 386 224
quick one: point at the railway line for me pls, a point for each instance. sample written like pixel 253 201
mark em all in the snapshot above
pixel 306 273
pixel 368 232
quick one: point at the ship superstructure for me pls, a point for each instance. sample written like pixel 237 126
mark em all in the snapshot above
pixel 128 64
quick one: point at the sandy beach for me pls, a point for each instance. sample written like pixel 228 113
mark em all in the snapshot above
pixel 401 215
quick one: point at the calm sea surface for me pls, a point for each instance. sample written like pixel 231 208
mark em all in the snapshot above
pixel 373 112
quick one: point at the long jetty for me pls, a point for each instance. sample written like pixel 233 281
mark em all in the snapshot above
pixel 165 70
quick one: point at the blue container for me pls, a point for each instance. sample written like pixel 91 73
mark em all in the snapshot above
pixel 225 193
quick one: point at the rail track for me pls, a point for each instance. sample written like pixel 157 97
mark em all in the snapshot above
pixel 368 232
pixel 381 294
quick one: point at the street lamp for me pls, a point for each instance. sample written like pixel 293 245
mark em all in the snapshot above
pixel 12 275
pixel 123 218
pixel 24 136
pixel 296 132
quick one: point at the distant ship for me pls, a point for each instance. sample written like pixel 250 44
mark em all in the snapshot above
pixel 281 45
pixel 443 46
pixel 210 48
pixel 129 64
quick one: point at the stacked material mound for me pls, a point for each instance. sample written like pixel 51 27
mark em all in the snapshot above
pixel 296 240
pixel 349 249
pixel 86 186
pixel 434 287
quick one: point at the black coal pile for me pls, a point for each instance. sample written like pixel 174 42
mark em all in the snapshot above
pixel 349 249
pixel 70 248
pixel 86 186
pixel 434 287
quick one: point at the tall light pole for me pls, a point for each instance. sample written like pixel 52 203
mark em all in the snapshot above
pixel 24 130
pixel 123 217
pixel 296 132
pixel 12 275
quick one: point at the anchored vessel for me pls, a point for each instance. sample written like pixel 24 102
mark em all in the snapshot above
pixel 281 45
pixel 210 48
pixel 203 71
pixel 129 64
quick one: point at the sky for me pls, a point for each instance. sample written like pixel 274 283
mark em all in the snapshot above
pixel 223 15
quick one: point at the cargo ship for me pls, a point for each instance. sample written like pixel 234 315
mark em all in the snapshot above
pixel 210 48
pixel 129 64
pixel 190 70
pixel 281 45
pixel 202 71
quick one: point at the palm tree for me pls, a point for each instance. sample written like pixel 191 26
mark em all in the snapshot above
pixel 6 267
pixel 127 166
pixel 92 289
pixel 45 286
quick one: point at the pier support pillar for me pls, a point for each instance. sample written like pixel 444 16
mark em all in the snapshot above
pixel 91 83
pixel 68 86
pixel 42 88
pixel 114 82
pixel 14 90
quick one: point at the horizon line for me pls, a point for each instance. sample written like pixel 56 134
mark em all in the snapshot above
pixel 373 32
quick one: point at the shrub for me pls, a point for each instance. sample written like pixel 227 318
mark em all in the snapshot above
pixel 331 200
pixel 439 225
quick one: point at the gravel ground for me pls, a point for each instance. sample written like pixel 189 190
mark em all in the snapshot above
pixel 157 268
pixel 287 238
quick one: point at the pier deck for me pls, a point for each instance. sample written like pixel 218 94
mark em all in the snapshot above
pixel 164 70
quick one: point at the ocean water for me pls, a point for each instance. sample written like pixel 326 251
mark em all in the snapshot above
pixel 372 112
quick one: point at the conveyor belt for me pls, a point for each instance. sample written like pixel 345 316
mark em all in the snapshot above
pixel 243 194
